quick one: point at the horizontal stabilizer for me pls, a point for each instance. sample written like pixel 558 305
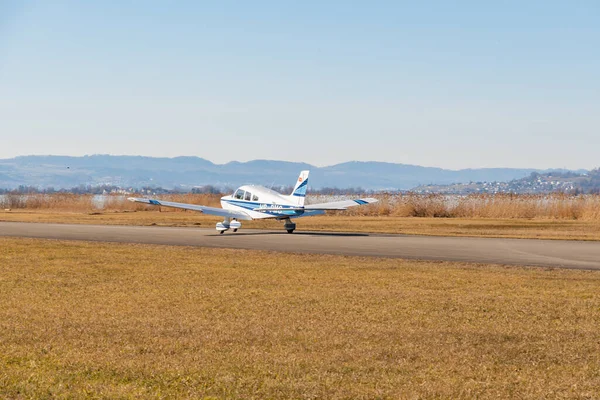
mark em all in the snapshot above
pixel 340 205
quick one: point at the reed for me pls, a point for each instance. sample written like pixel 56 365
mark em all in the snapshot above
pixel 88 203
pixel 505 206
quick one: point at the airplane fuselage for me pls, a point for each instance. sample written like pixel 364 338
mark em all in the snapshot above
pixel 250 197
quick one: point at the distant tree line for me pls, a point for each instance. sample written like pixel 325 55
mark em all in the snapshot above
pixel 81 189
pixel 210 189
pixel 206 189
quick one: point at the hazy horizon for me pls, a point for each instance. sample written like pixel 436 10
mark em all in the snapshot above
pixel 454 86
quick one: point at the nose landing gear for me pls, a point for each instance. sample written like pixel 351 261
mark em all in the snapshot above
pixel 227 224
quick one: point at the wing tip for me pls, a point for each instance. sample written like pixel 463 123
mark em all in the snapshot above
pixel 368 200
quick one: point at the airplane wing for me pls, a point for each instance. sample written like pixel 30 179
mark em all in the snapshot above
pixel 340 205
pixel 206 210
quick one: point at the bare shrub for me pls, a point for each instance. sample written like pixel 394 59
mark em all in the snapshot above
pixel 429 206
pixel 12 200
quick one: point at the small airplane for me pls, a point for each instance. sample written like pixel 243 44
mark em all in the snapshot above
pixel 258 202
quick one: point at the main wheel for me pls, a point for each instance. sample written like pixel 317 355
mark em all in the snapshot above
pixel 290 231
pixel 222 232
pixel 235 230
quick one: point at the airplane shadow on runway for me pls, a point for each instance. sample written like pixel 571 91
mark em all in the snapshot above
pixel 266 233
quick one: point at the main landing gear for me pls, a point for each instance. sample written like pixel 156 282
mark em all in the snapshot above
pixel 289 226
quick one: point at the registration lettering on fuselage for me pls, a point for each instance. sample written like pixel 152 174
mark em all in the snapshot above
pixel 274 208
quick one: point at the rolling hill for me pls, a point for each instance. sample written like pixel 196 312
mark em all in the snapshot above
pixel 188 172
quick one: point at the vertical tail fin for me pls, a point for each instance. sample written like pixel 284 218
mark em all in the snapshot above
pixel 299 192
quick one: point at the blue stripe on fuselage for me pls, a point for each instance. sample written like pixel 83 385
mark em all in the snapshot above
pixel 251 205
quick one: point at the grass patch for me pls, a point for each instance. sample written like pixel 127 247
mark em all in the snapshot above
pixel 82 319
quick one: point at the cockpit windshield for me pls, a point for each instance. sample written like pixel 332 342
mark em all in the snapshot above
pixel 242 194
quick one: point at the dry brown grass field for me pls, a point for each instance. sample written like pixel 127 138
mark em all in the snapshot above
pixel 517 216
pixel 82 320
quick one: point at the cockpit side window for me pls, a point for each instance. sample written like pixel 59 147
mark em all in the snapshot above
pixel 254 198
pixel 248 196
pixel 239 194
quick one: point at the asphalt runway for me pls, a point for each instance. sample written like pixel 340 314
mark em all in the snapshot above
pixel 547 253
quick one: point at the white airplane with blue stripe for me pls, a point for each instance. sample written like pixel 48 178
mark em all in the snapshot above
pixel 257 202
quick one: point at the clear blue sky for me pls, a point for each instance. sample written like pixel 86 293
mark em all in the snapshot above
pixel 448 84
